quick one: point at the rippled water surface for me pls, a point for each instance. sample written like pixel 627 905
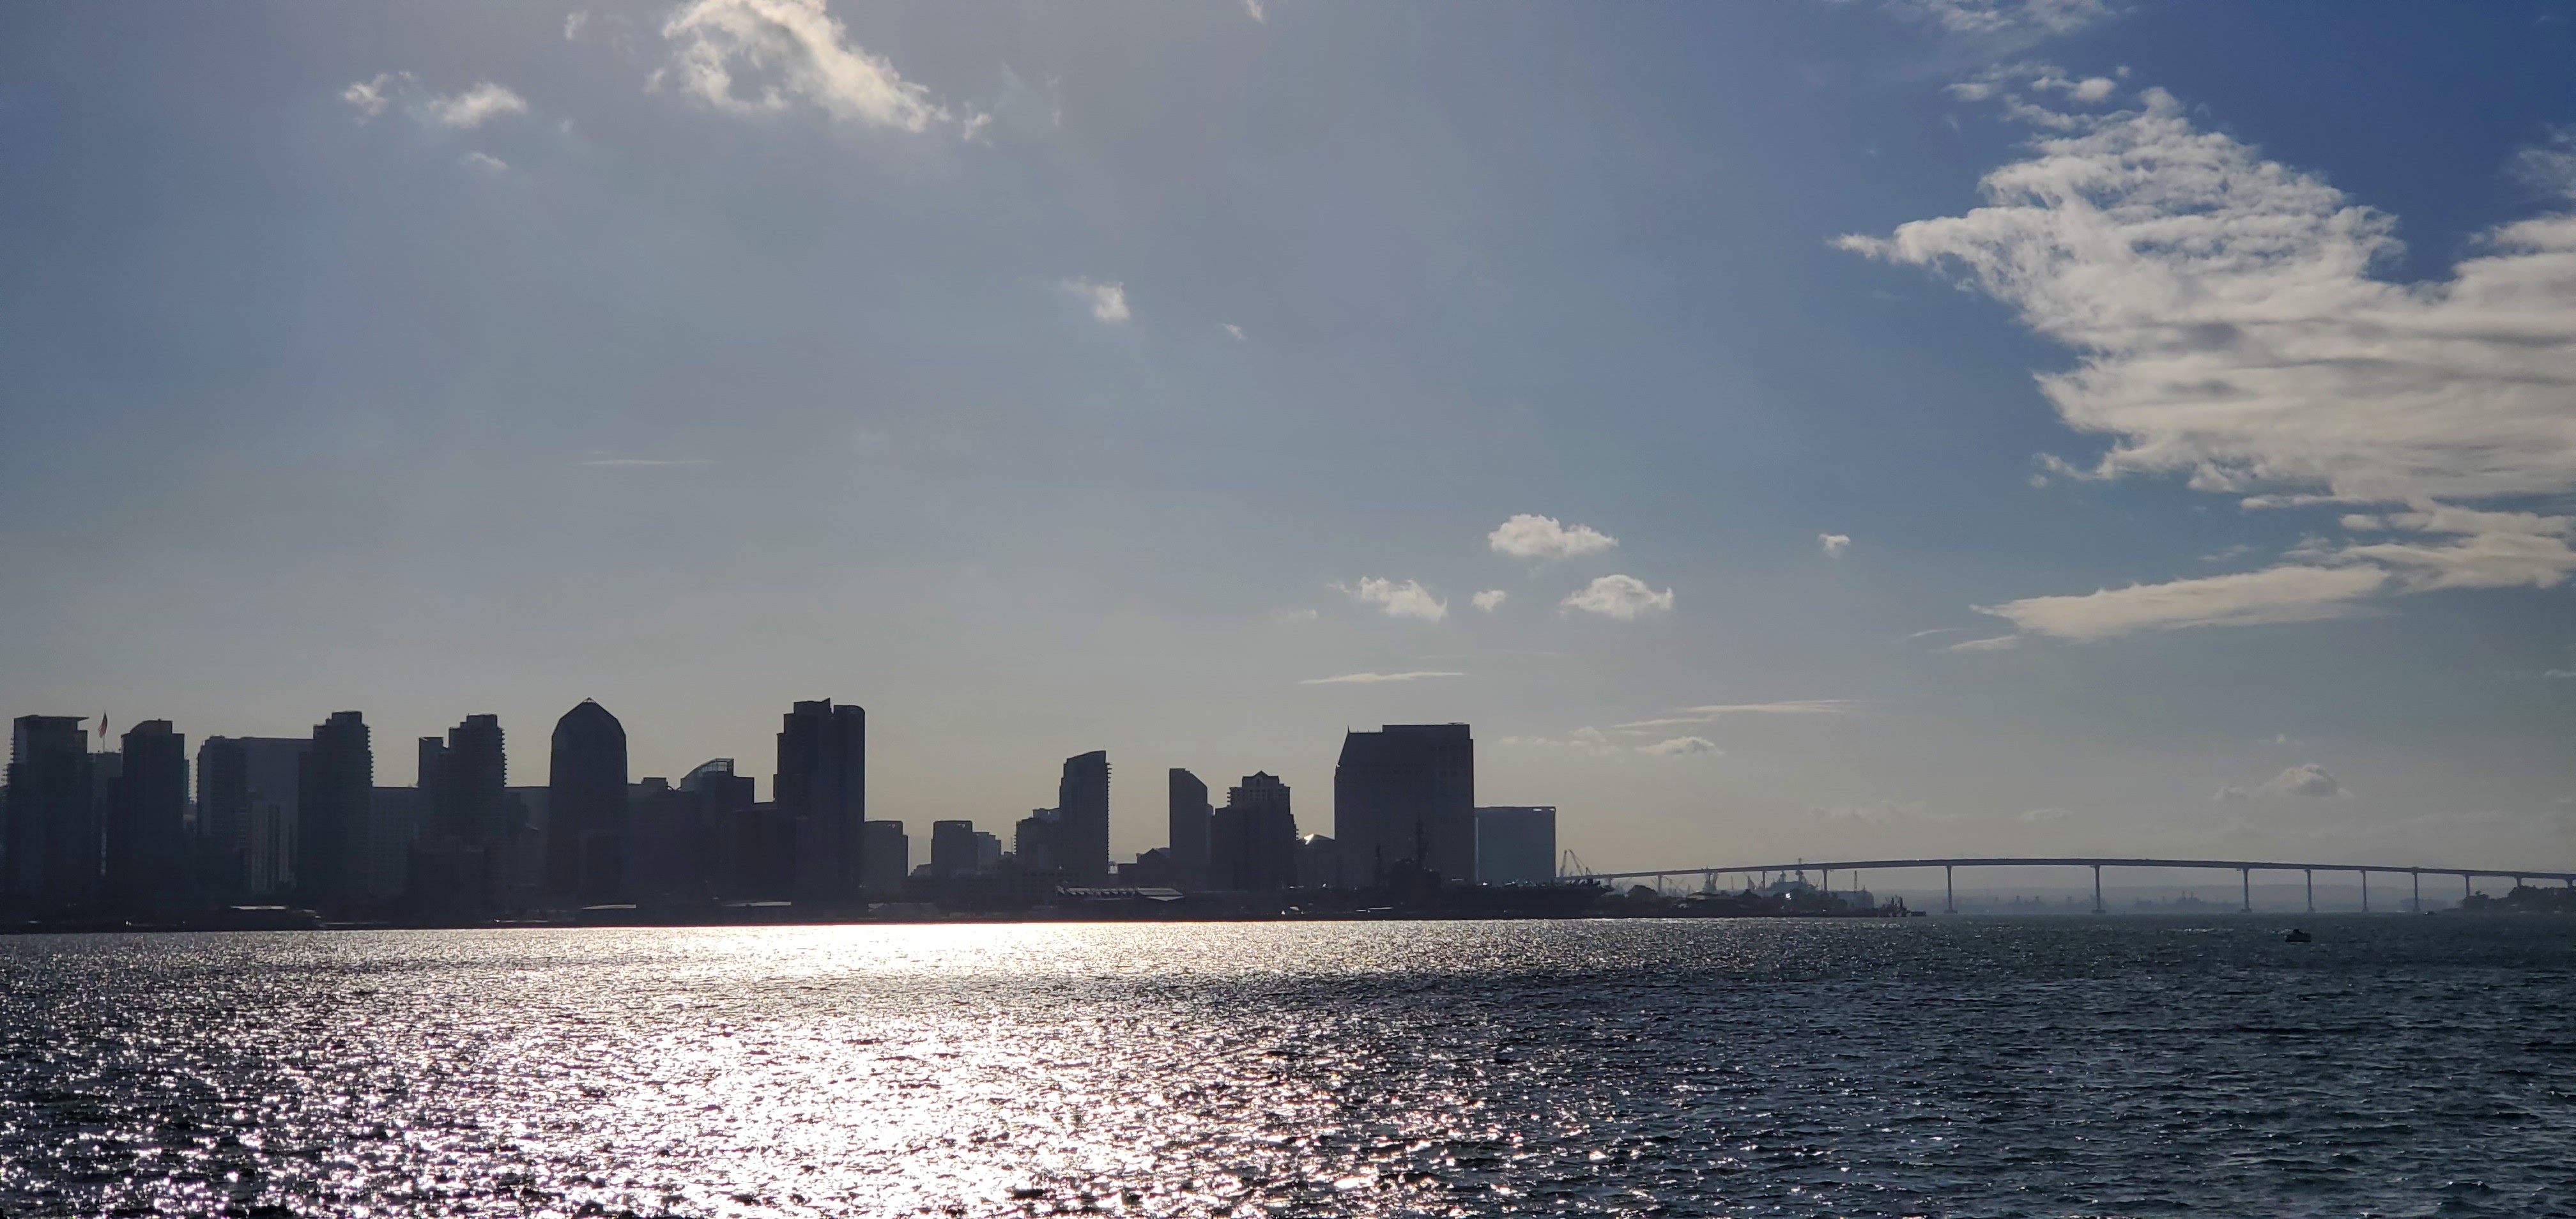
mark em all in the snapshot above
pixel 1924 1067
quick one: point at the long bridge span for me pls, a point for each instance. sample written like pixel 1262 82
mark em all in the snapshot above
pixel 2244 868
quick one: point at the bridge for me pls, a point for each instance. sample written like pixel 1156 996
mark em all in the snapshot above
pixel 2244 868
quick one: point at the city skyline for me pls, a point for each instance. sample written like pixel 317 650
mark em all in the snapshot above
pixel 1781 429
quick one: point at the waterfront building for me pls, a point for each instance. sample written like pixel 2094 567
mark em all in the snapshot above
pixel 1253 840
pixel 1318 861
pixel 1516 845
pixel 822 787
pixel 1190 823
pixel 886 857
pixel 247 790
pixel 52 830
pixel 1404 801
pixel 1034 840
pixel 1082 807
pixel 988 852
pixel 335 803
pixel 586 805
pixel 147 813
pixel 952 848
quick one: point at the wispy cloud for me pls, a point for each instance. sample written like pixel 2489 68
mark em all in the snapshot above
pixel 1253 9
pixel 1489 600
pixel 2305 779
pixel 1233 331
pixel 751 56
pixel 1406 600
pixel 483 162
pixel 1686 716
pixel 2262 357
pixel 1107 299
pixel 1834 544
pixel 1625 598
pixel 1362 679
pixel 1993 643
pixel 473 107
pixel 1680 747
pixel 1529 536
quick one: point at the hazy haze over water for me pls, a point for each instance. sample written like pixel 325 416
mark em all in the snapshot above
pixel 2041 1066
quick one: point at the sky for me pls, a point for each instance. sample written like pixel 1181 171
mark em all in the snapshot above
pixel 1783 430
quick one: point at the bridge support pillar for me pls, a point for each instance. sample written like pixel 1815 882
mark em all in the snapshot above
pixel 1950 891
pixel 2246 877
pixel 2097 888
pixel 2311 874
pixel 2419 892
pixel 2365 890
pixel 2465 891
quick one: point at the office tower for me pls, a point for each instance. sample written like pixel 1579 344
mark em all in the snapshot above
pixel 147 813
pixel 952 848
pixel 1318 861
pixel 437 784
pixel 1082 809
pixel 247 791
pixel 335 801
pixel 52 833
pixel 1516 845
pixel 754 852
pixel 822 784
pixel 670 843
pixel 586 805
pixel 1036 840
pixel 1253 839
pixel 472 804
pixel 1404 801
pixel 887 855
pixel 1189 828
pixel 397 820
pixel 988 851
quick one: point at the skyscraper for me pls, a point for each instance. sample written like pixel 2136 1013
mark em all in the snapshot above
pixel 464 783
pixel 1253 840
pixel 1082 810
pixel 1036 839
pixel 147 822
pixel 822 783
pixel 888 858
pixel 52 832
pixel 586 805
pixel 1189 827
pixel 952 848
pixel 247 796
pixel 1404 798
pixel 335 803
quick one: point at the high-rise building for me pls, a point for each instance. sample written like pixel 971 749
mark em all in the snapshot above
pixel 887 855
pixel 586 805
pixel 1082 808
pixel 52 836
pixel 822 784
pixel 1253 839
pixel 476 806
pixel 988 851
pixel 1404 801
pixel 1036 839
pixel 952 848
pixel 1189 827
pixel 335 804
pixel 247 791
pixel 147 847
pixel 1516 845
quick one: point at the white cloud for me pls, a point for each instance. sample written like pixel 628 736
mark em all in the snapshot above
pixel 2229 329
pixel 1834 544
pixel 2275 594
pixel 744 56
pixel 1107 300
pixel 1529 536
pixel 2015 21
pixel 372 96
pixel 1715 711
pixel 470 109
pixel 1253 9
pixel 1372 678
pixel 573 21
pixel 483 162
pixel 2091 89
pixel 1620 597
pixel 2559 674
pixel 1489 600
pixel 2305 779
pixel 1680 746
pixel 1406 600
pixel 1231 329
pixel 2551 166
pixel 1993 643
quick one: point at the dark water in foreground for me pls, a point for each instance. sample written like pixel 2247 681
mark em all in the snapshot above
pixel 1927 1067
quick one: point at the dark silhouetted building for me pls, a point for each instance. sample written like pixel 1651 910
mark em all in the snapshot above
pixel 988 851
pixel 952 848
pixel 1036 841
pixel 1404 800
pixel 1252 844
pixel 1319 861
pixel 670 844
pixel 247 794
pixel 147 815
pixel 822 786
pixel 887 856
pixel 1516 845
pixel 52 860
pixel 586 806
pixel 1189 829
pixel 335 807
pixel 1082 809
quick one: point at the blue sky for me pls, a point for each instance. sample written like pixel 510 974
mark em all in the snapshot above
pixel 1897 427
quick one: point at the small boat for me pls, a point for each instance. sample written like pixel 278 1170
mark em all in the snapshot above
pixel 2297 936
